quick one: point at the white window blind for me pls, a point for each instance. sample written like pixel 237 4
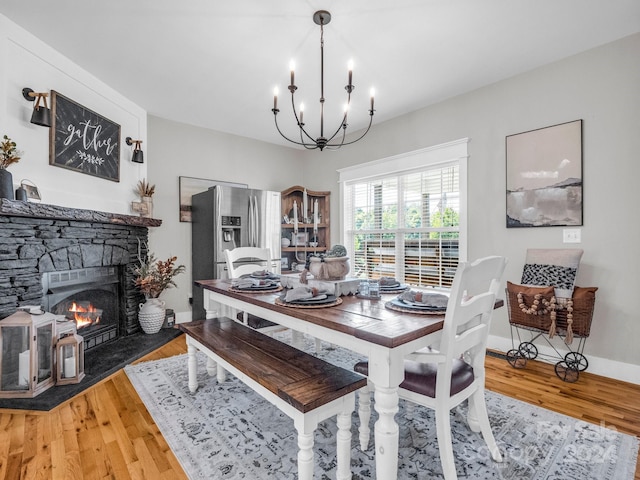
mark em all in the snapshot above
pixel 406 224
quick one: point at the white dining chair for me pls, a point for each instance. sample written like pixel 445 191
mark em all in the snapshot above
pixel 253 259
pixel 260 259
pixel 442 377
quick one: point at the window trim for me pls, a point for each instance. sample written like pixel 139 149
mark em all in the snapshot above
pixel 454 151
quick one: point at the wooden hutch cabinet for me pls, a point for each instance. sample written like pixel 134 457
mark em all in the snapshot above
pixel 313 236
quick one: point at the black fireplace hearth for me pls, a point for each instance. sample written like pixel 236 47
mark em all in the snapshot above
pixel 103 361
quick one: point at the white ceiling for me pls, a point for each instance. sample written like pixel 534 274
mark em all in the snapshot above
pixel 214 64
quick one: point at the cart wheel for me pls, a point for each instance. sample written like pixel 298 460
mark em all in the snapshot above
pixel 528 350
pixel 567 372
pixel 577 360
pixel 516 359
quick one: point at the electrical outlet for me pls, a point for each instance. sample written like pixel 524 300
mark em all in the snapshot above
pixel 571 235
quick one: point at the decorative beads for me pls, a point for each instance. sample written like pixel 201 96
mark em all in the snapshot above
pixel 534 309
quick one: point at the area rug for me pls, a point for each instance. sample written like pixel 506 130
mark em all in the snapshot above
pixel 226 431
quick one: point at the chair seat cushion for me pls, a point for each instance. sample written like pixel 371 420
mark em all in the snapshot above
pixel 421 377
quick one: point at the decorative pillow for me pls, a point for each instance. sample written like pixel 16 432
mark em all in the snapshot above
pixel 552 267
pixel 584 297
pixel 529 292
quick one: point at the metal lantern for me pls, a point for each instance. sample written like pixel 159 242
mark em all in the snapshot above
pixel 70 359
pixel 26 354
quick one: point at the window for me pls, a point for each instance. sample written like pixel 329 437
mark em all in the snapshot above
pixel 406 218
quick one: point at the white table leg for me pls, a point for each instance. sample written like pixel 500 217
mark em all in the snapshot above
pixel 343 441
pixel 472 417
pixel 222 374
pixel 211 366
pixel 193 367
pixel 364 416
pixel 297 339
pixel 386 433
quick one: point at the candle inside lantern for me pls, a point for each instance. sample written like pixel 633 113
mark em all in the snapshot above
pixel 69 367
pixel 23 368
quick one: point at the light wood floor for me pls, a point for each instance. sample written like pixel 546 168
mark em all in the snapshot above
pixel 107 433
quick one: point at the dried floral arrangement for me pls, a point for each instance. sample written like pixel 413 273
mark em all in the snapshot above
pixel 8 152
pixel 145 189
pixel 154 276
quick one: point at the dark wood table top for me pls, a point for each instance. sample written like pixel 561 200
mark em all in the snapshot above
pixel 368 320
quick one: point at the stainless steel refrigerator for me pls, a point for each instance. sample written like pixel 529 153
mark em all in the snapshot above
pixel 226 217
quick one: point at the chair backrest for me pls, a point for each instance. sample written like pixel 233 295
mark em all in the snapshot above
pixel 253 258
pixel 469 312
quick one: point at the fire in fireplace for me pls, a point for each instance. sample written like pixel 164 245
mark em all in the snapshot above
pixel 84 314
pixel 91 297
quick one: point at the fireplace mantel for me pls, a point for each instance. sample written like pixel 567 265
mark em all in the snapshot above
pixel 15 208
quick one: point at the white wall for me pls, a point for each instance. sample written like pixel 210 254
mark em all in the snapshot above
pixel 28 62
pixel 175 150
pixel 600 86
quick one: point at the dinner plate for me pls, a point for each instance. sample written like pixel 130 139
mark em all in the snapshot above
pixel 422 305
pixel 261 287
pixel 415 307
pixel 317 300
pixel 393 288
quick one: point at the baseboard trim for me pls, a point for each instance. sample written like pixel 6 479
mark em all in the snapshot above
pixel 604 367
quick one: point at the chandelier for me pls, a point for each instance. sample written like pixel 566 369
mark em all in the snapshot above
pixel 336 139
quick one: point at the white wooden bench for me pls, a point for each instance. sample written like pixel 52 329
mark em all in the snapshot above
pixel 305 388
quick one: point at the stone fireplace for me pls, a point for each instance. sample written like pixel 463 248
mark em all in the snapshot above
pixel 52 256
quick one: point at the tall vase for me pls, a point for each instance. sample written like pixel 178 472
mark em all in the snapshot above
pixel 151 315
pixel 6 184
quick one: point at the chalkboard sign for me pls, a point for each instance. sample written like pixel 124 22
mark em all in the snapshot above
pixel 82 140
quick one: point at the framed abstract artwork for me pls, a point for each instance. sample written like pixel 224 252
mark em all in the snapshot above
pixel 544 176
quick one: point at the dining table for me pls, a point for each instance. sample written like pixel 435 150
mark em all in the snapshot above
pixel 362 325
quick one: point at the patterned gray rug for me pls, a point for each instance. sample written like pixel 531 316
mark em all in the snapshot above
pixel 228 432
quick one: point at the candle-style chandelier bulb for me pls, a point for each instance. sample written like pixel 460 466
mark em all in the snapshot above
pixel 322 18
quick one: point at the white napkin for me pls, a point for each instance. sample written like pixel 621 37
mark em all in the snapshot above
pixel 427 299
pixel 388 282
pixel 300 293
pixel 242 282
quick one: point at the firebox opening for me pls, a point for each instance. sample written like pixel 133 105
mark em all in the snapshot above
pixel 91 297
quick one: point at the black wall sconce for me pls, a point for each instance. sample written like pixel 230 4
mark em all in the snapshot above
pixel 41 114
pixel 138 154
